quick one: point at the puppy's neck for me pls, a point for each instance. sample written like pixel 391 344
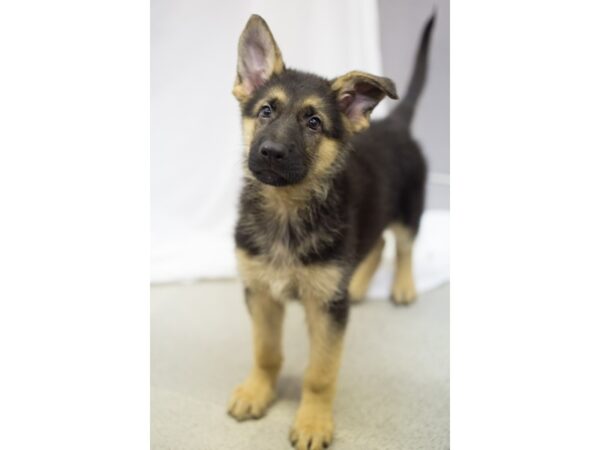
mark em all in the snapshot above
pixel 287 201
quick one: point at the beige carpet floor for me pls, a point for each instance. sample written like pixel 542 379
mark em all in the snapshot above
pixel 393 390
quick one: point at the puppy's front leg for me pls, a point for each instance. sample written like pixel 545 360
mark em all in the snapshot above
pixel 251 399
pixel 313 427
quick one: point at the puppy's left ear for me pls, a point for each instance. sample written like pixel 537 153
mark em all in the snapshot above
pixel 358 93
pixel 259 58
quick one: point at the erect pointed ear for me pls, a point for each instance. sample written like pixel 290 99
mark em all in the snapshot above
pixel 358 93
pixel 259 58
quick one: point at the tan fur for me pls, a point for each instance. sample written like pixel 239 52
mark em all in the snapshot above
pixel 271 278
pixel 293 197
pixel 347 80
pixel 403 288
pixel 282 275
pixel 248 128
pixel 364 272
pixel 346 84
pixel 358 125
pixel 286 200
pixel 296 197
pixel 313 101
pixel 314 420
pixel 325 157
pixel 317 104
pixel 239 91
pixel 275 93
pixel 327 153
pixel 252 398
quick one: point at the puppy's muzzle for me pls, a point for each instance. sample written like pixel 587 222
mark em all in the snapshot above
pixel 276 164
pixel 273 153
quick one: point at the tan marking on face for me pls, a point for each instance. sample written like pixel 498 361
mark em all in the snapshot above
pixel 248 127
pixel 278 93
pixel 313 101
pixel 284 201
pixel 318 105
pixel 327 153
pixel 249 123
pixel 275 93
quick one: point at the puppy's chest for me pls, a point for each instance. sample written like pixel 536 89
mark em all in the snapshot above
pixel 283 239
pixel 280 270
pixel 275 250
pixel 277 267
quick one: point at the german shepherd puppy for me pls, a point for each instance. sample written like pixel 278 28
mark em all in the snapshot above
pixel 320 187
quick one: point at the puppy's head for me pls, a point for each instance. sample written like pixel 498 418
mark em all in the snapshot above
pixel 296 123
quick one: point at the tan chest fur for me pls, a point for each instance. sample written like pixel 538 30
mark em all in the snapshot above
pixel 284 277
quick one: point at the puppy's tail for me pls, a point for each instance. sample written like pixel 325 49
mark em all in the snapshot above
pixel 405 110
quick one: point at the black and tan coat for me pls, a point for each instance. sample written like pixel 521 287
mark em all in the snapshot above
pixel 321 184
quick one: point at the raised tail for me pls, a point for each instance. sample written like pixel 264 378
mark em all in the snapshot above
pixel 405 110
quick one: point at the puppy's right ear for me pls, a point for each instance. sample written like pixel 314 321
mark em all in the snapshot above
pixel 259 58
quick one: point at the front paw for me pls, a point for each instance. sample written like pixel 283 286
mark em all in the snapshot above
pixel 404 292
pixel 313 428
pixel 251 399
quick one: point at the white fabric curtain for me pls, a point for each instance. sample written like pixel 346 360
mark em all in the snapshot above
pixel 195 126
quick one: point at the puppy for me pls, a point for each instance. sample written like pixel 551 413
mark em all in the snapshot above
pixel 320 188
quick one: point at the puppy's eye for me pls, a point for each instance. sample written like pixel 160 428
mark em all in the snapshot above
pixel 314 123
pixel 265 112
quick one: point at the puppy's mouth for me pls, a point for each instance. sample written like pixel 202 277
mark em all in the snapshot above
pixel 270 177
pixel 276 173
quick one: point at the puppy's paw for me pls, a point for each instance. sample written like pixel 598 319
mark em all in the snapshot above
pixel 251 399
pixel 404 292
pixel 313 428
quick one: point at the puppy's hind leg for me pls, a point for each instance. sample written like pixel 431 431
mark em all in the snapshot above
pixel 403 288
pixel 251 399
pixel 364 272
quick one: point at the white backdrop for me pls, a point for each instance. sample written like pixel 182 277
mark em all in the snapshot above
pixel 195 126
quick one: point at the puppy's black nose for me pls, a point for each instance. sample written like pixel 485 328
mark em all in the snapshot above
pixel 273 151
